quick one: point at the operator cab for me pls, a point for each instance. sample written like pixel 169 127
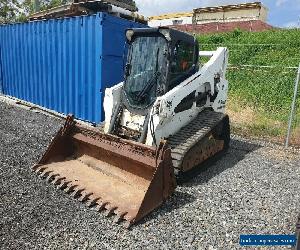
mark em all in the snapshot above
pixel 158 60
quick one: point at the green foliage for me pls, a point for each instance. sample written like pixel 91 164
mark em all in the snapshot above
pixel 237 32
pixel 18 11
pixel 45 5
pixel 9 10
pixel 275 47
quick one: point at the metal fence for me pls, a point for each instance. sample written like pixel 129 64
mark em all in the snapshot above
pixel 263 100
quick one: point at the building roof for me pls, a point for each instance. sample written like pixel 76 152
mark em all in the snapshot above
pixel 171 16
pixel 220 27
pixel 252 5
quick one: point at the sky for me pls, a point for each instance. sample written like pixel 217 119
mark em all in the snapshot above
pixel 282 13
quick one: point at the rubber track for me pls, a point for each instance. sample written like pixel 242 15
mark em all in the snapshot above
pixel 191 134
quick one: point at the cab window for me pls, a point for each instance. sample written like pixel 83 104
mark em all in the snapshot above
pixel 182 63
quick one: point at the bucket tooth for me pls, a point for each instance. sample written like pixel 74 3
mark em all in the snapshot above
pixel 69 187
pixel 128 224
pixel 51 176
pixel 35 167
pixel 63 185
pixel 46 174
pixel 101 206
pixel 92 202
pixel 110 211
pixel 119 217
pixel 84 196
pixel 40 170
pixel 57 180
pixel 76 192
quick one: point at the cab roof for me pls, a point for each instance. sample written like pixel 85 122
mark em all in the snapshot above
pixel 171 35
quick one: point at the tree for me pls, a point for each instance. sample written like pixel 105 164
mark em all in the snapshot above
pixel 9 10
pixel 20 10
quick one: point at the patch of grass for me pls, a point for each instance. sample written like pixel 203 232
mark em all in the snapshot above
pixel 251 122
pixel 267 92
pixel 275 47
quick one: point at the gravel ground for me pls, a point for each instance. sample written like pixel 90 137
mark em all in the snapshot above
pixel 254 189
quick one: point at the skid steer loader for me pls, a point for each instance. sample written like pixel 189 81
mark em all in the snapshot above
pixel 164 120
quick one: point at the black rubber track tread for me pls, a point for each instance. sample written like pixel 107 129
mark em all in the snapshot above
pixel 188 136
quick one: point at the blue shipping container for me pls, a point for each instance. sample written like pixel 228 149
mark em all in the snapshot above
pixel 1 84
pixel 64 64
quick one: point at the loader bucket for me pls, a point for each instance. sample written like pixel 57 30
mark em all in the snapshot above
pixel 125 178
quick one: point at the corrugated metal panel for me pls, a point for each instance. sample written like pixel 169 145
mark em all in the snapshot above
pixel 64 64
pixel 1 80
